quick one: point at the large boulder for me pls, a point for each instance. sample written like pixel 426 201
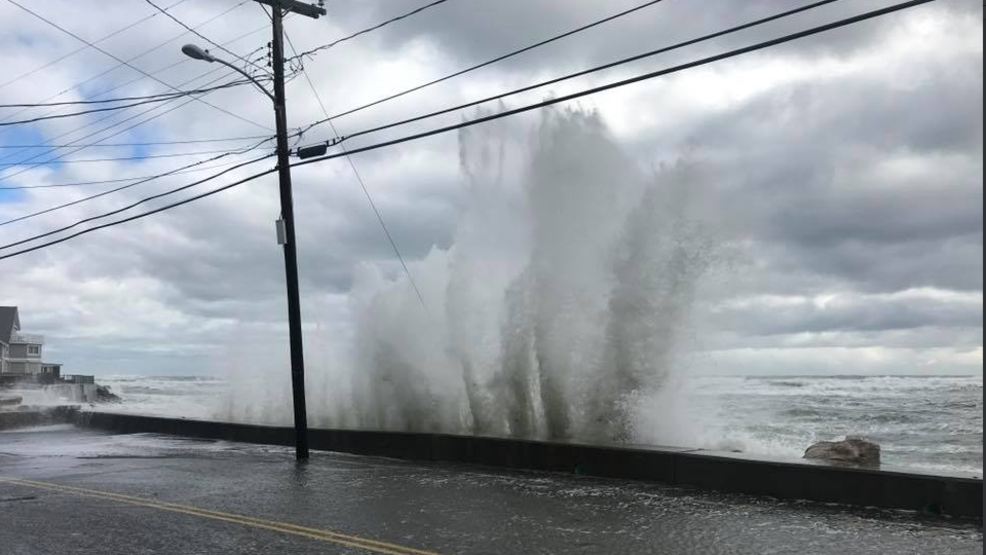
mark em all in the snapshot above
pixel 104 395
pixel 852 450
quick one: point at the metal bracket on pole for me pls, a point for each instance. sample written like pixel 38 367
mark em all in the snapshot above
pixel 312 151
pixel 282 233
pixel 300 8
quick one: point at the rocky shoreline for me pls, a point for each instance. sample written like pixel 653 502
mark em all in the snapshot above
pixel 27 405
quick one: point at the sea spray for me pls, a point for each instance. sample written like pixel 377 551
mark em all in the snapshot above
pixel 775 417
pixel 662 255
pixel 555 314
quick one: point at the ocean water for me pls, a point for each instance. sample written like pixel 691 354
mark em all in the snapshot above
pixel 932 424
pixel 927 423
pixel 194 397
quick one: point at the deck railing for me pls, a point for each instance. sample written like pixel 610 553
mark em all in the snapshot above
pixel 77 379
pixel 30 338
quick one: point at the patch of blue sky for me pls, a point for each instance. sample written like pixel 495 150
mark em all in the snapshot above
pixel 106 86
pixel 100 129
pixel 27 156
pixel 145 134
pixel 20 135
pixel 96 89
pixel 11 196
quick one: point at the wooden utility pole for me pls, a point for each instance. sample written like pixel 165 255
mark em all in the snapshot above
pixel 286 233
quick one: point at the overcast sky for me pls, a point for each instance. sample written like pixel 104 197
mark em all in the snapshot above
pixel 844 173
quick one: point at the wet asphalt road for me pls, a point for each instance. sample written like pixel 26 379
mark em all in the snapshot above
pixel 85 492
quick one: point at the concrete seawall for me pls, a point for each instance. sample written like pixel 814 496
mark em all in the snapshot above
pixel 73 393
pixel 891 489
pixel 12 420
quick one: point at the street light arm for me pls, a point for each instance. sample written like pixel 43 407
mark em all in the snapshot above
pixel 248 76
pixel 196 53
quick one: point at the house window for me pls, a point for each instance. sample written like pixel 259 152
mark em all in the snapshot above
pixel 33 350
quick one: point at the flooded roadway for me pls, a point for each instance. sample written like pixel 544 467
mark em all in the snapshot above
pixel 64 490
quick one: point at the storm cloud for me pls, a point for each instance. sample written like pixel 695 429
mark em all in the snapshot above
pixel 843 174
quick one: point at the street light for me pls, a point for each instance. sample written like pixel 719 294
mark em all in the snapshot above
pixel 197 53
pixel 285 226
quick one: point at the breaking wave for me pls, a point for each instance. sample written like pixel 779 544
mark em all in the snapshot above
pixel 558 312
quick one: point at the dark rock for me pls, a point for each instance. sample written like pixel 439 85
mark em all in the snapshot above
pixel 104 395
pixel 10 400
pixel 853 450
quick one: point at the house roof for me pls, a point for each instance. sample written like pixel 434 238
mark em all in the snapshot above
pixel 8 321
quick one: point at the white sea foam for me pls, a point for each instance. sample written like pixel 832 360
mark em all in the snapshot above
pixel 558 312
pixel 188 397
pixel 753 415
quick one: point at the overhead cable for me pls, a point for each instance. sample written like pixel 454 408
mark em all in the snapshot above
pixel 203 37
pixel 128 64
pixel 366 191
pixel 76 142
pixel 137 203
pixel 107 128
pixel 151 143
pixel 82 48
pixel 652 53
pixel 625 82
pixel 141 55
pixel 32 165
pixel 324 47
pixel 496 60
pixel 165 96
pixel 125 187
pixel 150 100
pixel 141 215
pixel 704 61
pixel 141 157
pixel 119 180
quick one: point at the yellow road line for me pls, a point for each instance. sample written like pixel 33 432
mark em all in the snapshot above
pixel 283 527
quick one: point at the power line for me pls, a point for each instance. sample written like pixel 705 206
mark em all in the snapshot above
pixel 148 100
pixel 203 37
pixel 130 186
pixel 166 96
pixel 362 184
pixel 91 111
pixel 80 49
pixel 82 147
pixel 133 67
pixel 702 62
pixel 120 132
pixel 155 143
pixel 112 181
pixel 324 47
pixel 108 116
pixel 132 158
pixel 625 82
pixel 140 216
pixel 144 53
pixel 490 62
pixel 597 69
pixel 135 204
pixel 139 78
